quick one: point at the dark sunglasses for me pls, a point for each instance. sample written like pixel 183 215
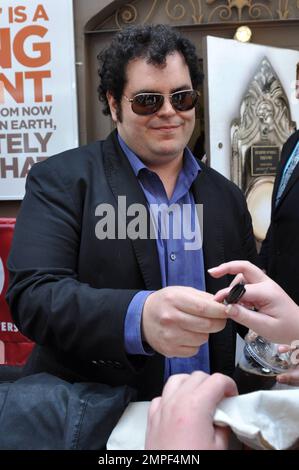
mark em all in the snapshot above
pixel 149 103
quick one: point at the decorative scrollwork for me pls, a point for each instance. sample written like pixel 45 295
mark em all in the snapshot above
pixel 224 12
pixel 198 15
pixel 198 12
pixel 239 4
pixel 256 11
pixel 283 11
pixel 152 8
pixel 179 11
pixel 125 15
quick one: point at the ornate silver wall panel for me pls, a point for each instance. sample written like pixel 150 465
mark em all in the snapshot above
pixel 263 127
pixel 257 138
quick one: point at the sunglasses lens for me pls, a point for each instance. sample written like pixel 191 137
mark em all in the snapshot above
pixel 145 104
pixel 149 103
pixel 184 100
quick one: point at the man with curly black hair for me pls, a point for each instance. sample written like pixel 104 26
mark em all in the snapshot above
pixel 114 298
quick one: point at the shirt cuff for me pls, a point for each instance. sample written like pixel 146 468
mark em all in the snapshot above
pixel 133 338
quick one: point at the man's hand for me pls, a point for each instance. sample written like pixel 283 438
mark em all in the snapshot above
pixel 183 417
pixel 176 320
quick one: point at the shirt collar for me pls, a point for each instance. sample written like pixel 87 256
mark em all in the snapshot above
pixel 135 162
pixel 190 169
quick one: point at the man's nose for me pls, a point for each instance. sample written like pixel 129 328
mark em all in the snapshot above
pixel 166 108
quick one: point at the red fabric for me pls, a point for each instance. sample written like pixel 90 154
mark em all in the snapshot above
pixel 14 347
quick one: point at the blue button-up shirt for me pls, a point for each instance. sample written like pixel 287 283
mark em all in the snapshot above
pixel 180 263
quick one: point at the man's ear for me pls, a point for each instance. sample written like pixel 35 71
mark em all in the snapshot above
pixel 112 105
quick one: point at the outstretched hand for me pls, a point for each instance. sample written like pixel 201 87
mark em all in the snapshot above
pixel 277 318
pixel 182 418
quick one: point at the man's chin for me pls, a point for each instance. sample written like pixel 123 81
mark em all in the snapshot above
pixel 170 151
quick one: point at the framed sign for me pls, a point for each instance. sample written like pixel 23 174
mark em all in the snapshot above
pixel 38 102
pixel 264 160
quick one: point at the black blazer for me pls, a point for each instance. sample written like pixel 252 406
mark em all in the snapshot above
pixel 280 250
pixel 70 291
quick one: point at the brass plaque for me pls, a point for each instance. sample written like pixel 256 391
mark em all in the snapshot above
pixel 264 160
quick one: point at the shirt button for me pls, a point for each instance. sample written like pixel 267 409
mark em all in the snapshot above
pixel 173 256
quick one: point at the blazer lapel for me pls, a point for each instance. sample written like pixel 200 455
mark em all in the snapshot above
pixel 294 177
pixel 288 149
pixel 123 182
pixel 221 354
pixel 277 181
pixel 213 243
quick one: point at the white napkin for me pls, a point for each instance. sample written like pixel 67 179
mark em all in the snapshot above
pixel 262 420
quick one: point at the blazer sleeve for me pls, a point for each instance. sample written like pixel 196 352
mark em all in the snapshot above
pixel 48 302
